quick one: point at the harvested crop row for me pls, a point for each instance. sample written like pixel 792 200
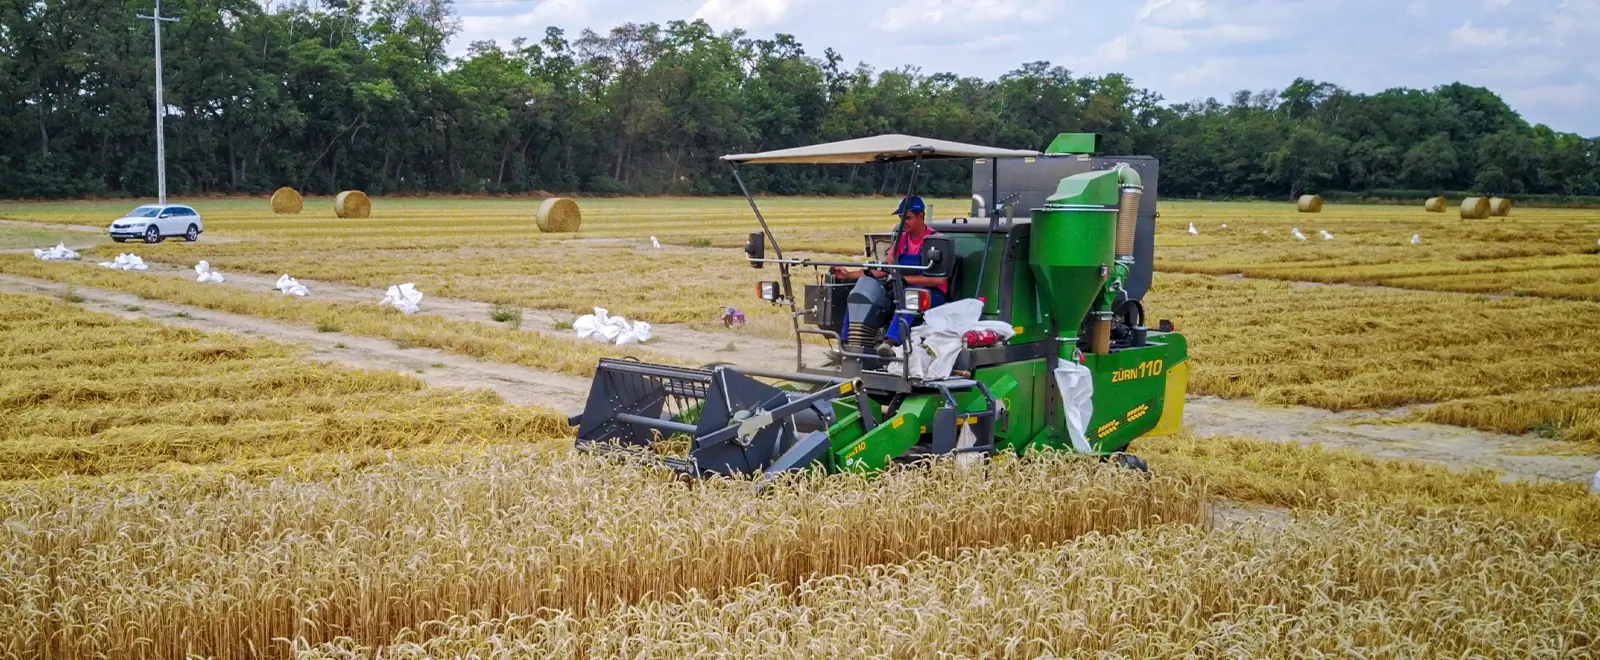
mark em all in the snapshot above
pixel 1292 475
pixel 1573 416
pixel 1342 348
pixel 191 398
pixel 479 340
pixel 672 285
pixel 223 566
pixel 1365 583
pixel 1547 252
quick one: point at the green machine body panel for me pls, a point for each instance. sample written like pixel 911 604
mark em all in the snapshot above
pixel 1074 245
pixel 1074 143
pixel 1028 318
pixel 1130 389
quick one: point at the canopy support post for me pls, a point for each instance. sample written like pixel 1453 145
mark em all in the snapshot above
pixel 783 270
pixel 894 245
pixel 994 219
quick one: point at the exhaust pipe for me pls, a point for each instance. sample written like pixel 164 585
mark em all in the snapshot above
pixel 1132 192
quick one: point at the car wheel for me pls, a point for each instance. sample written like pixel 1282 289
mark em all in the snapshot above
pixel 152 235
pixel 192 235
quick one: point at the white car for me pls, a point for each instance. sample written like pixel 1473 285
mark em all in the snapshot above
pixel 155 222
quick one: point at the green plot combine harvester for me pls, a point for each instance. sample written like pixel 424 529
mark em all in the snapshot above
pixel 1060 278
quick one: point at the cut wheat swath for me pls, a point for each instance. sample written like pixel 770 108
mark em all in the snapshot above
pixel 558 214
pixel 1310 204
pixel 1475 208
pixel 287 200
pixel 352 204
pixel 1499 207
pixel 1435 204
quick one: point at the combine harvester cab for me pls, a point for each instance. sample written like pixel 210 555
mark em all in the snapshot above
pixel 1081 373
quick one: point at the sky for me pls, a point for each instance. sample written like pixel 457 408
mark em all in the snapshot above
pixel 1541 56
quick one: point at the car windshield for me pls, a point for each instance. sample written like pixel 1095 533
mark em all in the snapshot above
pixel 145 212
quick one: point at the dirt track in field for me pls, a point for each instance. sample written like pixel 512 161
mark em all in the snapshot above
pixel 1378 434
pixel 691 345
pixel 26 224
pixel 515 384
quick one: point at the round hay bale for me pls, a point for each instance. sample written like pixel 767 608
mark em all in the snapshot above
pixel 1435 204
pixel 558 214
pixel 1474 208
pixel 1310 204
pixel 1499 207
pixel 352 204
pixel 287 200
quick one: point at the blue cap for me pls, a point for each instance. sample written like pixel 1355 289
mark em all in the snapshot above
pixel 910 204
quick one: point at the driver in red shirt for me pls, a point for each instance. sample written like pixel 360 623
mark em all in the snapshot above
pixel 906 252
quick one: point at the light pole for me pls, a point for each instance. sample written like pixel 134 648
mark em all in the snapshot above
pixel 161 107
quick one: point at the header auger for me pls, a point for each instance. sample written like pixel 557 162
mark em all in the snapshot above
pixel 1082 372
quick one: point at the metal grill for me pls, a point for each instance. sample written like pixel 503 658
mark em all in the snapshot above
pixel 654 394
pixel 636 403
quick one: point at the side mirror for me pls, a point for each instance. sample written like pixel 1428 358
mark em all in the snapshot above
pixel 755 248
pixel 939 255
pixel 165 214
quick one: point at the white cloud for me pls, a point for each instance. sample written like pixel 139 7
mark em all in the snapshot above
pixel 1113 51
pixel 1576 22
pixel 548 12
pixel 1472 36
pixel 1170 12
pixel 1176 26
pixel 957 14
pixel 1575 95
pixel 747 14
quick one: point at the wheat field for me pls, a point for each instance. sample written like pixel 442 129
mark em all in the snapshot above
pixel 1361 583
pixel 1480 292
pixel 88 394
pixel 172 492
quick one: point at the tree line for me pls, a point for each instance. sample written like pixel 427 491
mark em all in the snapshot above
pixel 345 94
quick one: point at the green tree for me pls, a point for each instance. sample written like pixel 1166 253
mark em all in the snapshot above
pixel 1431 164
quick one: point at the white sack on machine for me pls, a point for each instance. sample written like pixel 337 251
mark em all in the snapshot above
pixel 57 253
pixel 289 287
pixel 1076 384
pixel 936 343
pixel 125 262
pixel 404 297
pixel 601 326
pixel 206 273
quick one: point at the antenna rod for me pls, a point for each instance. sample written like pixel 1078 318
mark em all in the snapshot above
pixel 161 107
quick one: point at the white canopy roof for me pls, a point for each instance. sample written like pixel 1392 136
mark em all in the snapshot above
pixel 877 148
